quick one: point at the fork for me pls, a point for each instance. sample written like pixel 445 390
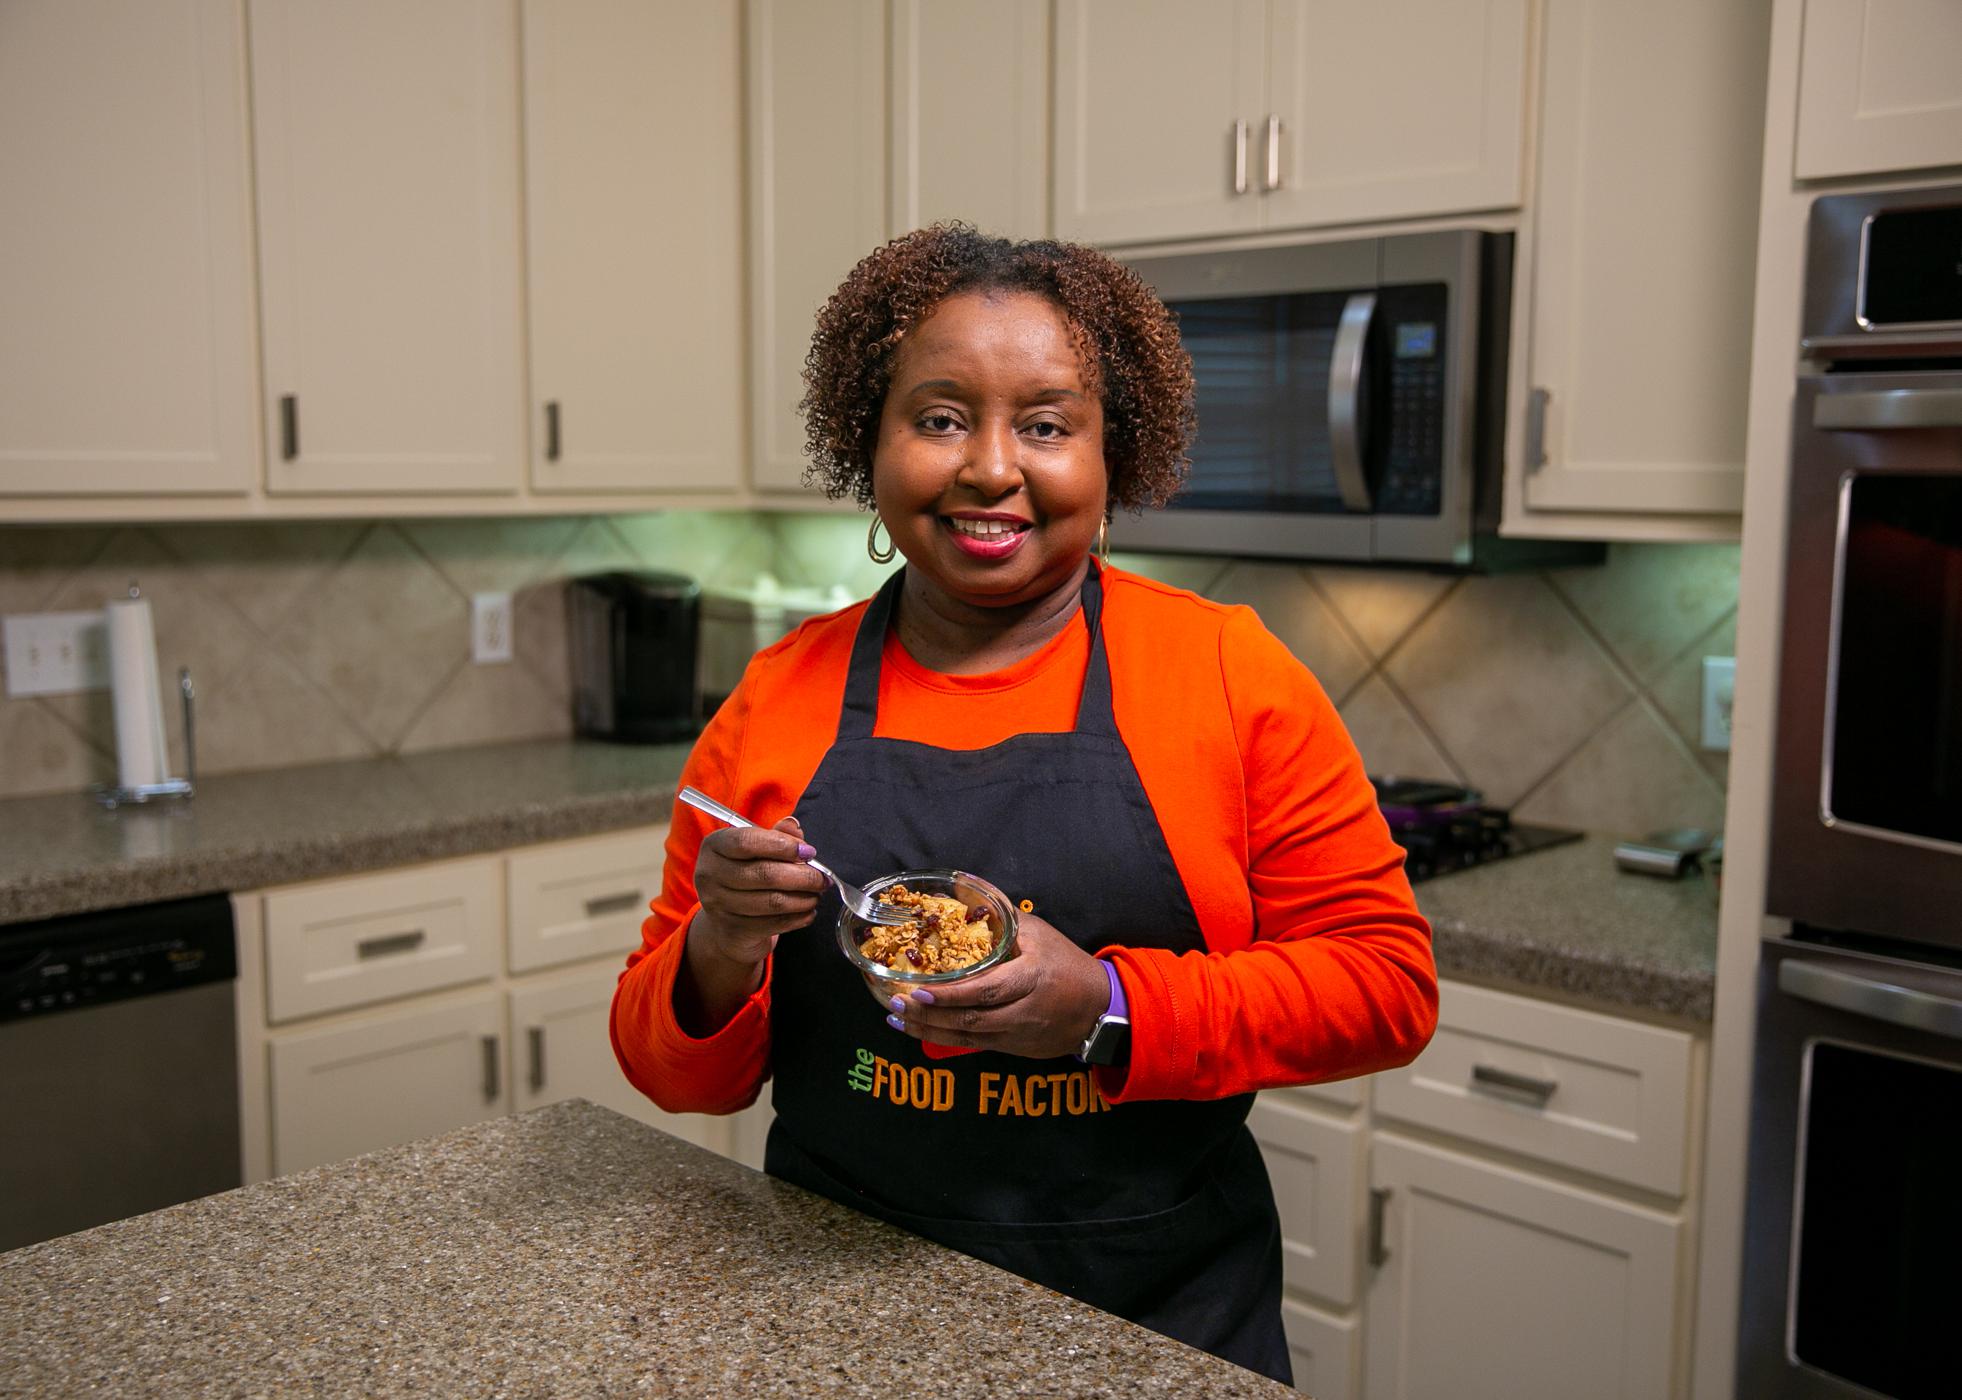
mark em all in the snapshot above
pixel 856 899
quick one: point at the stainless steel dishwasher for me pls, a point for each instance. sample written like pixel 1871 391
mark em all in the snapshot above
pixel 118 1065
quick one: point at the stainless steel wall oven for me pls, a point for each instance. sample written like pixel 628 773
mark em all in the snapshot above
pixel 1854 1217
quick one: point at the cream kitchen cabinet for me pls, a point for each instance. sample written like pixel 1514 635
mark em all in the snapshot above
pixel 1879 87
pixel 387 147
pixel 126 284
pixel 379 1008
pixel 1176 120
pixel 1632 315
pixel 1505 1216
pixel 964 81
pixel 633 206
pixel 1493 1281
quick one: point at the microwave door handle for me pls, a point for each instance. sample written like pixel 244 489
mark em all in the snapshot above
pixel 1345 379
pixel 1879 1001
pixel 1881 409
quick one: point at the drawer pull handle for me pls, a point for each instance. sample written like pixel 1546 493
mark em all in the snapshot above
pixel 1379 1207
pixel 490 1069
pixel 612 903
pixel 1504 1081
pixel 389 943
pixel 536 1036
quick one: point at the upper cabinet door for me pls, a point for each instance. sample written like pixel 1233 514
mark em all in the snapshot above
pixel 633 199
pixel 1880 87
pixel 1158 105
pixel 970 115
pixel 1390 110
pixel 387 157
pixel 817 93
pixel 1644 240
pixel 125 250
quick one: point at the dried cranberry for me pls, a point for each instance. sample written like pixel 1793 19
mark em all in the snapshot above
pixel 913 956
pixel 978 914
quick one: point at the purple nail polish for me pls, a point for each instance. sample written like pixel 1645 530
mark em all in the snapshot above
pixel 895 1023
pixel 898 1005
pixel 923 996
pixel 805 852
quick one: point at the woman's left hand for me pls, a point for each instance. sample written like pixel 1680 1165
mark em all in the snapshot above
pixel 1040 1003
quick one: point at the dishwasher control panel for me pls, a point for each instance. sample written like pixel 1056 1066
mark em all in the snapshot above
pixel 83 960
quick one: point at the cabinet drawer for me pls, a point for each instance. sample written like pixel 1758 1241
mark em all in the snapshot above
pixel 582 899
pixel 1592 1092
pixel 344 943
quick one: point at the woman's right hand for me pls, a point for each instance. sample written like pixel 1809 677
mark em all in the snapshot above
pixel 753 886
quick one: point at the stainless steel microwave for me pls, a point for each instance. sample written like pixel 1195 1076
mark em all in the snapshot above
pixel 1351 402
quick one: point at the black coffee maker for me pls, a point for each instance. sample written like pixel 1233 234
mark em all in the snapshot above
pixel 633 638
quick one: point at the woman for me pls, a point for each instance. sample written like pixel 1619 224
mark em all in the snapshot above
pixel 1155 774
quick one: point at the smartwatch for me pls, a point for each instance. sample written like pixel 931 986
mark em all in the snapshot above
pixel 1109 1041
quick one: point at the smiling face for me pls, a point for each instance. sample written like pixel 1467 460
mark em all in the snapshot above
pixel 989 470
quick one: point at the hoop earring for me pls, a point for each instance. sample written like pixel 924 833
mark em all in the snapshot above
pixel 1103 541
pixel 872 542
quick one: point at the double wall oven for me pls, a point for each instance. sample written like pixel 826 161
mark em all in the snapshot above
pixel 1853 1229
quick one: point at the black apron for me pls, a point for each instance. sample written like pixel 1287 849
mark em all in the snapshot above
pixel 1159 1211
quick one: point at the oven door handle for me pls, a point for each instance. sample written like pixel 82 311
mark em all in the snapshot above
pixel 1881 409
pixel 1879 1001
pixel 1345 381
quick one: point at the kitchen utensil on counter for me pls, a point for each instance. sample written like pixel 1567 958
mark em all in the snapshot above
pixel 855 898
pixel 1670 854
pixel 142 757
pixel 1443 827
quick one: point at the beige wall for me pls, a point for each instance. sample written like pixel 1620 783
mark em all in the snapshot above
pixel 1570 693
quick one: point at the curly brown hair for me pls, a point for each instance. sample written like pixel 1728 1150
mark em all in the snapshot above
pixel 1127 340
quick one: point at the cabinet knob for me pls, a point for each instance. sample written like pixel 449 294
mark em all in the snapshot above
pixel 1239 157
pixel 289 426
pixel 1273 153
pixel 1379 1207
pixel 535 1037
pixel 492 1080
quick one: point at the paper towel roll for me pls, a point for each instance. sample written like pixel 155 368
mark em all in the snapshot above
pixel 138 697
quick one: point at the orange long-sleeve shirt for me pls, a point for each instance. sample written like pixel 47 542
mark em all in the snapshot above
pixel 1317 963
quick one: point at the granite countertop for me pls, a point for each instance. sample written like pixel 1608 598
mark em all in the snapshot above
pixel 1562 920
pixel 567 1251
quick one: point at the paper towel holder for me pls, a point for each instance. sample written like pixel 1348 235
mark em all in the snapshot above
pixel 116 795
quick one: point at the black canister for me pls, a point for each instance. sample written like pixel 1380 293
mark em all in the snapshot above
pixel 633 637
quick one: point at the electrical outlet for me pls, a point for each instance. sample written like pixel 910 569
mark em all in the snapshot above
pixel 490 627
pixel 1719 680
pixel 56 653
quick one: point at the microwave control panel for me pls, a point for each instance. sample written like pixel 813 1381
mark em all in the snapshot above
pixel 1411 429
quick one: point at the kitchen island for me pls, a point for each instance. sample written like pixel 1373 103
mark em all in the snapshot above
pixel 568 1251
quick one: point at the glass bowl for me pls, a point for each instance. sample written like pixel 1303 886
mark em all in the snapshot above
pixel 884 982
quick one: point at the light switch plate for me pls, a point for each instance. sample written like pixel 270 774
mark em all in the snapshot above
pixel 490 627
pixel 1719 681
pixel 56 653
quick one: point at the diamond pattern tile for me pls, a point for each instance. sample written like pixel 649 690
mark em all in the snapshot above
pixel 701 545
pixel 1649 601
pixel 1508 681
pixel 491 556
pixel 1294 611
pixel 1678 693
pixel 1632 777
pixel 1380 605
pixel 262 570
pixel 35 561
pixel 1390 738
pixel 380 635
pixel 490 704
pixel 38 753
pixel 269 716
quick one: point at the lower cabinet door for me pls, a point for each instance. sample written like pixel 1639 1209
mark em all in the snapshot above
pixel 1315 1166
pixel 561 1050
pixel 1323 1349
pixel 1495 1284
pixel 376 1081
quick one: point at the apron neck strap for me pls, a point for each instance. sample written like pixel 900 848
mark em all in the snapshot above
pixel 858 718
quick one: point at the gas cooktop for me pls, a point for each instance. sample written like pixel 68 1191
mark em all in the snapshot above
pixel 1443 827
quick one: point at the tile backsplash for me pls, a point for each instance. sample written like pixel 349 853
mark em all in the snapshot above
pixel 1571 694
